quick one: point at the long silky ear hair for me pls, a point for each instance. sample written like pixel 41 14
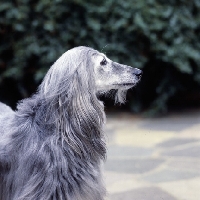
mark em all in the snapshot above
pixel 69 94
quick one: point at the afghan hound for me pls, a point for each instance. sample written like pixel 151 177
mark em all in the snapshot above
pixel 52 146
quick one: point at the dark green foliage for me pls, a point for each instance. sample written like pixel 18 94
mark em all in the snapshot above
pixel 162 37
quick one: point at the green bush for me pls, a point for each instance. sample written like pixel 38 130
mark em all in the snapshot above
pixel 162 37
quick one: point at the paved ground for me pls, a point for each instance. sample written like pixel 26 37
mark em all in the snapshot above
pixel 153 159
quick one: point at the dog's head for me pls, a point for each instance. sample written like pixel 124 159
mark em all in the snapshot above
pixel 111 75
pixel 85 69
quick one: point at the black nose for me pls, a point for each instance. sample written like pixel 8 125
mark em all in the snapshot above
pixel 137 72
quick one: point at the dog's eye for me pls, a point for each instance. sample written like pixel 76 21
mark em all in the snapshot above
pixel 103 62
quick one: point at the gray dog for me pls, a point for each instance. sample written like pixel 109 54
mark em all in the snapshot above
pixel 52 147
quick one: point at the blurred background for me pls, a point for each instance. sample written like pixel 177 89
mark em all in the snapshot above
pixel 160 37
pixel 148 158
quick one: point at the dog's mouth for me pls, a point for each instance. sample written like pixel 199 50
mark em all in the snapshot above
pixel 130 84
pixel 125 84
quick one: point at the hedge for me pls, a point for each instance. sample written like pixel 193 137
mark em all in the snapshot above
pixel 161 37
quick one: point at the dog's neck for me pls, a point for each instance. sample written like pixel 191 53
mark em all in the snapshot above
pixel 75 124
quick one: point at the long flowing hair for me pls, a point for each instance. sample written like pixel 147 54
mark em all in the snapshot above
pixel 57 141
pixel 71 103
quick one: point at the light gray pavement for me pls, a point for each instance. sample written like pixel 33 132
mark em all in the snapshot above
pixel 153 159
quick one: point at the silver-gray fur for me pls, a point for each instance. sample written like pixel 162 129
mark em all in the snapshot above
pixel 52 146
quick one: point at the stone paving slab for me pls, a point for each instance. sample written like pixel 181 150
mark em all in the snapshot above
pixel 115 151
pixel 191 151
pixel 184 164
pixel 150 159
pixel 134 136
pixel 147 193
pixel 169 175
pixel 133 166
pixel 177 142
pixel 182 190
pixel 122 182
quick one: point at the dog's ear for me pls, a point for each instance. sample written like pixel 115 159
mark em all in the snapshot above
pixel 70 96
pixel 81 115
pixel 57 78
pixel 62 72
